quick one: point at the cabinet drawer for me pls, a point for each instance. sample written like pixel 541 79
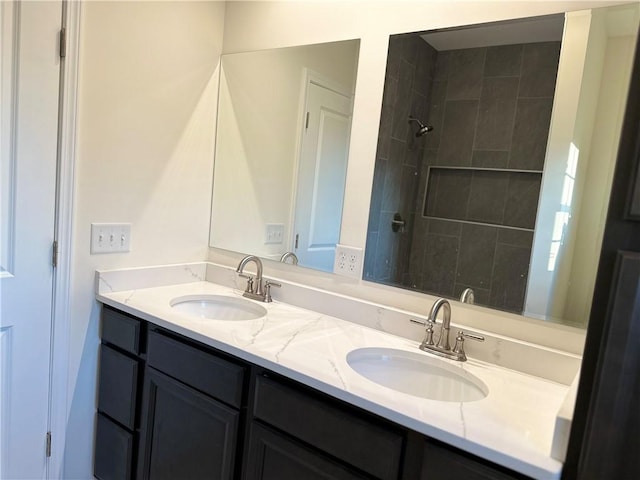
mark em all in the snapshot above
pixel 113 451
pixel 201 370
pixel 357 440
pixel 118 388
pixel 121 330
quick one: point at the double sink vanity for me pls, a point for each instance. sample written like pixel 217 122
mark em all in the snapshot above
pixel 199 381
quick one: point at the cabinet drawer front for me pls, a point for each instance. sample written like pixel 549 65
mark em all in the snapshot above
pixel 113 451
pixel 273 456
pixel 372 448
pixel 118 388
pixel 121 330
pixel 201 370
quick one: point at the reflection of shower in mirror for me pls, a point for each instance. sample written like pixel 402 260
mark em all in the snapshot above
pixel 422 128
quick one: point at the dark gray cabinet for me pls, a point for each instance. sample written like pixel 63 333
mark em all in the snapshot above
pixel 185 433
pixel 120 379
pixel 172 408
pixel 274 456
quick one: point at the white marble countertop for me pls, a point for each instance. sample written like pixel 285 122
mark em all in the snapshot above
pixel 512 426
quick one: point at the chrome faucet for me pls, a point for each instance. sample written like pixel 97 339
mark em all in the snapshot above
pixel 285 256
pixel 467 296
pixel 443 347
pixel 255 289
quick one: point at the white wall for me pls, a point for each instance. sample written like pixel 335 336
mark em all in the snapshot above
pixel 259 125
pixel 147 104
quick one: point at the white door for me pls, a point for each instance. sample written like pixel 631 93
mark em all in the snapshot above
pixel 322 171
pixel 28 142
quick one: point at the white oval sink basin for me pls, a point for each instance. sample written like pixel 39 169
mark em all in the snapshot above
pixel 218 307
pixel 417 374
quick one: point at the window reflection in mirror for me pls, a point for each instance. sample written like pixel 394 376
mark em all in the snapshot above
pixel 284 122
pixel 507 194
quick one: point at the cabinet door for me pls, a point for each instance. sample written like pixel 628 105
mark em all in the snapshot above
pixel 441 463
pixel 273 456
pixel 185 434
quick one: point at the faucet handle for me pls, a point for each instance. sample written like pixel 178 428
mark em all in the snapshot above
pixel 428 339
pixel 458 349
pixel 267 290
pixel 249 278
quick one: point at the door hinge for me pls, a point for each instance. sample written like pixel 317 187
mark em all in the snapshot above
pixel 48 444
pixel 63 42
pixel 306 122
pixel 296 245
pixel 54 254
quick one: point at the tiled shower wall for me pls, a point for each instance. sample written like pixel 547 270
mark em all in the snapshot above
pixel 490 108
pixel 410 68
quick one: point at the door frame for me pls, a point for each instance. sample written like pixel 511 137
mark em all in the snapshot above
pixel 67 117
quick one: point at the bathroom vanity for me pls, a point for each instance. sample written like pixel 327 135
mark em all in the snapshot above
pixel 275 397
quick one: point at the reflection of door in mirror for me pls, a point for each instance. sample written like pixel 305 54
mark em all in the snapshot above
pixel 322 170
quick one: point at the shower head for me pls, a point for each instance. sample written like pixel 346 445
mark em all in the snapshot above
pixel 422 128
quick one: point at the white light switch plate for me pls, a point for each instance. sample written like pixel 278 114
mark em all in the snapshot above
pixel 110 237
pixel 348 261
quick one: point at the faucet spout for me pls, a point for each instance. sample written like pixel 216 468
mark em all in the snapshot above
pixel 443 341
pixel 259 290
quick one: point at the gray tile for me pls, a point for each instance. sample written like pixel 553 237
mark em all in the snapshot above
pixel 379 175
pixel 441 73
pixel 370 256
pixel 452 193
pixel 530 133
pixel 403 101
pixel 503 61
pixel 510 278
pixel 490 158
pixel 435 116
pixel 414 156
pixel 456 141
pixel 418 244
pixel 409 190
pixel 444 227
pixel 394 55
pixel 465 74
pixel 397 151
pixel 425 67
pixel 429 207
pixel 496 113
pixel 475 259
pixel 386 251
pixel 439 265
pixel 488 197
pixel 410 47
pixel 522 200
pixel 412 281
pixel 539 69
pixel 392 190
pixel 516 238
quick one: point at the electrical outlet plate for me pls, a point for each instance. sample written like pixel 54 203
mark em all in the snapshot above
pixel 348 261
pixel 110 237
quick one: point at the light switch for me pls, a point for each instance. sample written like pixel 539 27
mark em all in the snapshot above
pixel 110 237
pixel 274 233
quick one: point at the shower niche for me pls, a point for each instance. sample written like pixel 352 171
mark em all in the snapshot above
pixel 469 187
